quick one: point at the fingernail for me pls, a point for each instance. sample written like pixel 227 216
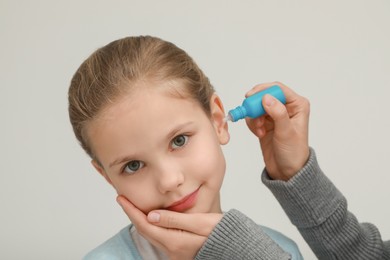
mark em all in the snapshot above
pixel 269 100
pixel 154 217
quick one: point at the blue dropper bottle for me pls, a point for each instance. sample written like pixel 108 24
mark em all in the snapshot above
pixel 252 106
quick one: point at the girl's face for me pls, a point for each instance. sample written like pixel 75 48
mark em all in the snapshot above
pixel 162 151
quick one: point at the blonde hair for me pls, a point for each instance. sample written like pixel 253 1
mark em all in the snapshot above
pixel 114 69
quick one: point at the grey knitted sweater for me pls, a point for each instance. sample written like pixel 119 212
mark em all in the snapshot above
pixel 316 208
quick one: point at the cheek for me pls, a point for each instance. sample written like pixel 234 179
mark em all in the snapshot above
pixel 138 192
pixel 209 161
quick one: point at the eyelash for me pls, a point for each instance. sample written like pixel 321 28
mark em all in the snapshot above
pixel 186 139
pixel 142 164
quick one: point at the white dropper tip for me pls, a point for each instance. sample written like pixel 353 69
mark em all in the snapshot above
pixel 227 118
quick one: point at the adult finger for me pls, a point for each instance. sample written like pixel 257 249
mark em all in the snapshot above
pixel 198 223
pixel 176 243
pixel 290 95
pixel 137 217
pixel 259 88
pixel 134 214
pixel 278 112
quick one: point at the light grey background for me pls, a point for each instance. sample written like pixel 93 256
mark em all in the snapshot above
pixel 336 53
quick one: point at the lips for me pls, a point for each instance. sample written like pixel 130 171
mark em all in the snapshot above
pixel 185 203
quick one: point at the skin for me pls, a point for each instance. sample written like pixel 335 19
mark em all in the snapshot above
pixel 283 132
pixel 283 138
pixel 163 152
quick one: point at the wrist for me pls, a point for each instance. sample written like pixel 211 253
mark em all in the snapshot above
pixel 286 165
pixel 298 164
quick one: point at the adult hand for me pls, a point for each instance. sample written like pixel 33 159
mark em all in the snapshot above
pixel 282 132
pixel 179 235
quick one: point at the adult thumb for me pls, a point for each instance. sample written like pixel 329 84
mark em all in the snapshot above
pixel 278 112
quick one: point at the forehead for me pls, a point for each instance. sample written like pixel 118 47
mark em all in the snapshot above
pixel 143 117
pixel 150 97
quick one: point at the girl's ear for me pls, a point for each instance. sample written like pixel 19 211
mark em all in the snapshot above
pixel 218 119
pixel 101 170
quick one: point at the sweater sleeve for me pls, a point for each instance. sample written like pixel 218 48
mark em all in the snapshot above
pixel 238 237
pixel 319 211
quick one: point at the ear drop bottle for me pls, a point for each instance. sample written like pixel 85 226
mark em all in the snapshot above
pixel 252 106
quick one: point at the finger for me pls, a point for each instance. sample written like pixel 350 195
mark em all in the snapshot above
pixel 153 233
pixel 179 244
pixel 259 88
pixel 278 112
pixel 198 223
pixel 302 108
pixel 135 215
pixel 172 241
pixel 290 95
pixel 176 242
pixel 256 125
pixel 138 218
pixel 257 122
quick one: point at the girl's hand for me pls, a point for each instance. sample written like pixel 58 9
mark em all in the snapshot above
pixel 282 132
pixel 179 235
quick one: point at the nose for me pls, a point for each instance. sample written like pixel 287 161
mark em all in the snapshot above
pixel 169 176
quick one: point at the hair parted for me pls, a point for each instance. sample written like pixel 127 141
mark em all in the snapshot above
pixel 113 70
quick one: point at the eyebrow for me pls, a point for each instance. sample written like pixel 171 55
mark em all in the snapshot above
pixel 120 161
pixel 177 129
pixel 170 135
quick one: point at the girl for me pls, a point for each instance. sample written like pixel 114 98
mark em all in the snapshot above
pixel 153 126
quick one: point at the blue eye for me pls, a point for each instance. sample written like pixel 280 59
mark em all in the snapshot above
pixel 133 166
pixel 179 141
